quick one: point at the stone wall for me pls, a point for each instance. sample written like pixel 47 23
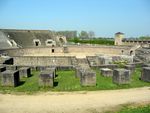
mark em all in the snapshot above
pixel 75 50
pixel 42 61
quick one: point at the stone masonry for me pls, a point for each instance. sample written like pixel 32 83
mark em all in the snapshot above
pixel 88 78
pixel 106 72
pixel 46 78
pixel 121 76
pixel 145 75
pixel 24 72
pixel 10 78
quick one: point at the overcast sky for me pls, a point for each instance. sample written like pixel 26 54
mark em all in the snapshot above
pixel 104 17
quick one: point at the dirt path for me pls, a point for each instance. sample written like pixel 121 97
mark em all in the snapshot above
pixel 73 102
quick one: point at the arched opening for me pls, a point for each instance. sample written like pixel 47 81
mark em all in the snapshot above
pixel 53 50
pixel 131 53
pixel 61 40
pixel 122 51
pixel 36 43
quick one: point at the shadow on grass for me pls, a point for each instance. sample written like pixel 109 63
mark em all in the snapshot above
pixel 30 75
pixel 21 83
pixel 55 84
pixel 56 75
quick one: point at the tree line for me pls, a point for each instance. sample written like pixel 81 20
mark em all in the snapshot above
pixel 75 34
pixel 85 37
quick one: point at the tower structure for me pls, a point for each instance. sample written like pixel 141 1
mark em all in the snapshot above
pixel 118 38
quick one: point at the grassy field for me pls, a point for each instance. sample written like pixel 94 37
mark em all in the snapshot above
pixel 139 109
pixel 66 81
pixel 101 41
pixel 130 108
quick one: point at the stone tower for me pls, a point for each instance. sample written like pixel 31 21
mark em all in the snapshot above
pixel 118 38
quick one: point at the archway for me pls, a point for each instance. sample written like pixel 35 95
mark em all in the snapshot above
pixel 61 41
pixel 131 53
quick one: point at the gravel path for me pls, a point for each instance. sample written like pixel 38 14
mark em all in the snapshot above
pixel 72 102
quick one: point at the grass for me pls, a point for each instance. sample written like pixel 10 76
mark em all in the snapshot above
pixel 66 81
pixel 131 108
pixel 139 109
pixel 101 41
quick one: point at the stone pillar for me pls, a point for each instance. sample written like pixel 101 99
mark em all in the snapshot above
pixel 11 67
pixel 24 72
pixel 121 76
pixel 78 71
pixel 52 69
pixel 145 75
pixel 106 72
pixel 131 68
pixel 41 68
pixel 10 78
pixel 88 78
pixel 46 78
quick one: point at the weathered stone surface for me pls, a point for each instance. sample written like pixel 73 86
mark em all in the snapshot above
pixel 105 59
pixel 131 68
pixel 78 71
pixel 106 72
pixel 65 68
pixel 41 68
pixel 11 67
pixel 52 69
pixel 121 76
pixel 145 75
pixel 88 78
pixel 10 78
pixel 24 72
pixel 46 78
pixel 146 65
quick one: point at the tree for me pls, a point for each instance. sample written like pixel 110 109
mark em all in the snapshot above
pixel 84 35
pixel 91 34
pixel 68 34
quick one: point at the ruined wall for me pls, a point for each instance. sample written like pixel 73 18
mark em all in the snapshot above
pixel 42 61
pixel 72 51
pixel 34 51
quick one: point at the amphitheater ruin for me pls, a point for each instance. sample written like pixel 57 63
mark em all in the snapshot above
pixel 43 50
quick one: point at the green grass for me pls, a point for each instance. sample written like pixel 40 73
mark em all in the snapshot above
pixel 141 109
pixel 101 41
pixel 66 81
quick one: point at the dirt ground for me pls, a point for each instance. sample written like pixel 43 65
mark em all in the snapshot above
pixel 72 102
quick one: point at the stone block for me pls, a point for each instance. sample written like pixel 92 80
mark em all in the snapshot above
pixel 131 68
pixel 78 71
pixel 121 76
pixel 105 59
pixel 24 72
pixel 146 65
pixel 88 78
pixel 52 69
pixel 10 78
pixel 41 68
pixel 46 78
pixel 65 68
pixel 11 67
pixel 106 72
pixel 145 75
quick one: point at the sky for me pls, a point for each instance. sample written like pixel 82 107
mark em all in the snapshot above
pixel 104 17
